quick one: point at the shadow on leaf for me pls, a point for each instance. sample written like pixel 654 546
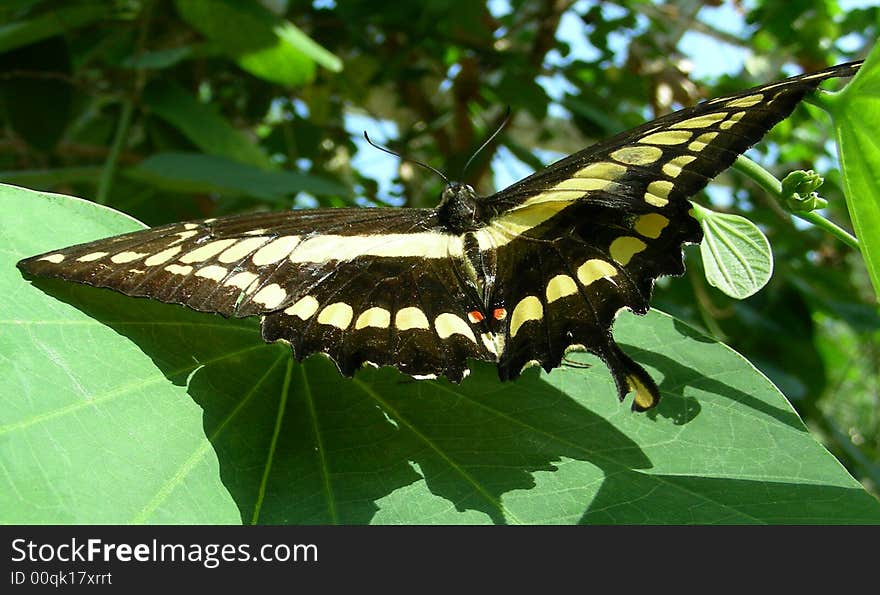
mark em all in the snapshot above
pixel 299 444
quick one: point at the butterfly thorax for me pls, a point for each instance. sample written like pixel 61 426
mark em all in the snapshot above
pixel 459 209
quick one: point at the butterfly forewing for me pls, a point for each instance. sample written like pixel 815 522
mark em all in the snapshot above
pixel 544 266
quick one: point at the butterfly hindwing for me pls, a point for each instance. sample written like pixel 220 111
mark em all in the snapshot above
pixel 403 312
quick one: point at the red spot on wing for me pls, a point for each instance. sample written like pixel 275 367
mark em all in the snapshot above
pixel 475 316
pixel 499 313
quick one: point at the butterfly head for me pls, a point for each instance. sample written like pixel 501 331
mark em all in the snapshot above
pixel 459 209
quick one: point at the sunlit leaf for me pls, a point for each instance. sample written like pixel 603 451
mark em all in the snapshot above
pixel 736 254
pixel 856 114
pixel 262 43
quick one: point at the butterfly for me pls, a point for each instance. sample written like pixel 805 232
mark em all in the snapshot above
pixel 518 278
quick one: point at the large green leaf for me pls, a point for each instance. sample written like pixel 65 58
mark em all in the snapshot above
pixel 119 410
pixel 856 114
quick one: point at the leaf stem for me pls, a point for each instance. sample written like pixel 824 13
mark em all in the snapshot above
pixel 106 179
pixel 768 182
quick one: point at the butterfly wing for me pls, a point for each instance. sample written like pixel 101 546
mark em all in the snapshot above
pixel 361 285
pixel 587 236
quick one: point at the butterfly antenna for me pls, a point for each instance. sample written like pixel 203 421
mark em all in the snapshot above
pixel 488 140
pixel 399 156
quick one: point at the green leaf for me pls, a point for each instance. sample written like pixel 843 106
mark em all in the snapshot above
pixel 194 172
pixel 159 59
pixel 120 410
pixel 203 125
pixel 856 114
pixel 262 43
pixel 49 24
pixel 296 39
pixel 736 254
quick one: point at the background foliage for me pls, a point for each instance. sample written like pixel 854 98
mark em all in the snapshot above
pixel 191 109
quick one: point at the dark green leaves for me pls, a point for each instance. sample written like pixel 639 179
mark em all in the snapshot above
pixel 202 125
pixel 114 409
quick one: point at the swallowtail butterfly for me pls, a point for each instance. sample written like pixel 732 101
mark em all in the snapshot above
pixel 517 278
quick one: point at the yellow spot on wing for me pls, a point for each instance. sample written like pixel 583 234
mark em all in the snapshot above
pixel 176 269
pixel 674 166
pixel 701 141
pixel 184 235
pixel 427 244
pixel 559 287
pixel 529 308
pixel 667 137
pixel 376 317
pixel 624 248
pixel 124 257
pixel 512 224
pixel 97 255
pixel 595 269
pixel 410 318
pixel 241 249
pixel 657 193
pixel 56 258
pixel 651 225
pixel 447 324
pixel 637 155
pixel 275 250
pixel 305 308
pixel 603 170
pixel 338 314
pixel 747 101
pixel 270 296
pixel 565 189
pixel 733 119
pixel 241 280
pixel 207 251
pixel 703 121
pixel 644 398
pixel 163 256
pixel 213 272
